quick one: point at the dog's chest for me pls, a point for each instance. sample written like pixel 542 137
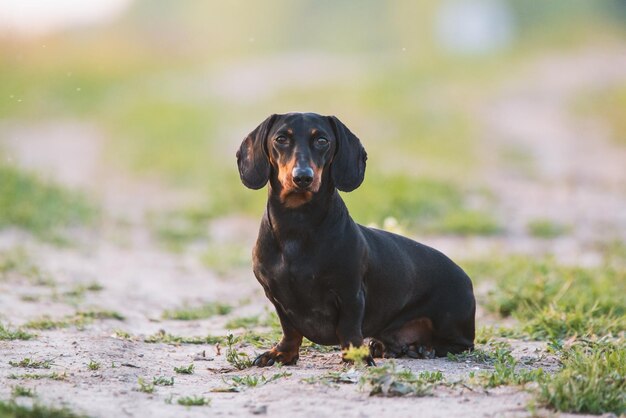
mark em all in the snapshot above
pixel 296 281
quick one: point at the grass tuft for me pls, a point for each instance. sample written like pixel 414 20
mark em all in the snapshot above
pixel 545 228
pixel 163 381
pixel 389 380
pixel 552 301
pixel 11 409
pixel 241 383
pixel 356 355
pixel 32 364
pixel 194 401
pixel 238 359
pixel 93 365
pixel 145 387
pixel 206 310
pixel 163 337
pixel 38 206
pixel 17 391
pixel 7 334
pixel 592 380
pixel 184 369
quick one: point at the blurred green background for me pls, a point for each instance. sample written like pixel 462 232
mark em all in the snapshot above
pixel 173 87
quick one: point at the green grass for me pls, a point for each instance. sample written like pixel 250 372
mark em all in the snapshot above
pixel 194 401
pixel 553 301
pixel 41 207
pixel 402 197
pixel 7 334
pixel 11 409
pixel 163 381
pixel 145 387
pixel 507 371
pixel 357 355
pixel 168 137
pixel 32 364
pixel 17 391
pixel 38 376
pixel 591 380
pixel 121 334
pixel 545 228
pixel 80 319
pixel 93 365
pixel 166 338
pixel 241 383
pixel 468 222
pixel 184 369
pixel 244 322
pixel 236 358
pixel 390 380
pixel 203 311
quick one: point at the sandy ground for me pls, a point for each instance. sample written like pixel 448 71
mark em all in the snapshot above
pixel 578 178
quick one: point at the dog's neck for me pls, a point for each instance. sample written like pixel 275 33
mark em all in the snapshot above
pixel 325 210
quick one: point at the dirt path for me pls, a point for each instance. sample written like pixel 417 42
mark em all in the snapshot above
pixel 578 178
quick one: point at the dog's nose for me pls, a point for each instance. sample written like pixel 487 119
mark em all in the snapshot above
pixel 302 176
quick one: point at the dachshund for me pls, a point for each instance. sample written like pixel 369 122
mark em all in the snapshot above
pixel 330 279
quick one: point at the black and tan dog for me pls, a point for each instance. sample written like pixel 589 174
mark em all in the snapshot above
pixel 334 281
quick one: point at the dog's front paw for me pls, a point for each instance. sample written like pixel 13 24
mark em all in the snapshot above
pixel 269 358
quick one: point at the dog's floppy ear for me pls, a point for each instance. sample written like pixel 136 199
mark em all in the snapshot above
pixel 348 167
pixel 252 158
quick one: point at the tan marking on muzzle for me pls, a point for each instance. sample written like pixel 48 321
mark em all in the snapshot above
pixel 290 196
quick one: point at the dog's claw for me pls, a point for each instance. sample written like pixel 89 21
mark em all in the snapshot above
pixel 271 357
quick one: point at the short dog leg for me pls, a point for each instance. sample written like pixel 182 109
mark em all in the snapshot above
pixel 287 350
pixel 349 326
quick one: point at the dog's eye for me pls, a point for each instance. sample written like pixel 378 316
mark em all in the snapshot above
pixel 281 140
pixel 321 142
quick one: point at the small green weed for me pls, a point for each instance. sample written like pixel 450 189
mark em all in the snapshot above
pixel 238 359
pixel 390 380
pixel 121 334
pixel 32 364
pixel 145 387
pixel 93 365
pixel 7 334
pixel 345 376
pixel 507 371
pixel 184 369
pixel 164 337
pixel 241 383
pixel 38 376
pixel 17 391
pixel 194 401
pixel 356 355
pixel 163 381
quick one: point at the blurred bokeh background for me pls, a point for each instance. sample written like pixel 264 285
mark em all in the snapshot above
pixel 482 118
pixel 496 132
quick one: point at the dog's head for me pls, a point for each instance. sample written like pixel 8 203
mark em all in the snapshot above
pixel 300 151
